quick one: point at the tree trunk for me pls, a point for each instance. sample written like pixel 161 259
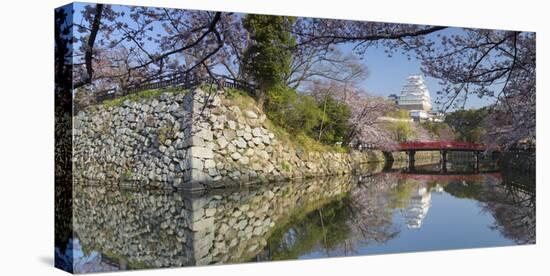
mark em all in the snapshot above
pixel 260 97
pixel 323 118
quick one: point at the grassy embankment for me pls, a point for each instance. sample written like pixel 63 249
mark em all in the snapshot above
pixel 301 140
pixel 143 95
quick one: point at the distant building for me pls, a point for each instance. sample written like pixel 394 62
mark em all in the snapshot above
pixel 393 98
pixel 419 115
pixel 415 97
pixel 436 116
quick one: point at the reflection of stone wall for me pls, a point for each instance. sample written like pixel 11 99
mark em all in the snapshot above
pixel 145 228
pixel 193 140
pixel 161 229
pixel 243 222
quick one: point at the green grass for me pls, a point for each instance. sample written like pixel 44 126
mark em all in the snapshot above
pixel 399 114
pixel 310 144
pixel 241 99
pixel 246 102
pixel 280 133
pixel 147 94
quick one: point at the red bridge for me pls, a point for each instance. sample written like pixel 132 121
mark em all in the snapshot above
pixel 439 177
pixel 441 145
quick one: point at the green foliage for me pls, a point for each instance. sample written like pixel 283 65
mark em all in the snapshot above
pixel 312 145
pixel 467 124
pixel 307 114
pixel 297 117
pixel 440 130
pixel 323 228
pixel 466 189
pixel 267 60
pixel 282 103
pixel 335 122
pixel 279 132
pixel 399 114
pixel 301 115
pixel 147 94
pixel 401 194
pixel 401 131
pixel 240 98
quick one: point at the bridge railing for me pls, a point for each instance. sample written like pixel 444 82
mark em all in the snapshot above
pixel 365 146
pixel 432 145
pixel 182 80
pixel 451 145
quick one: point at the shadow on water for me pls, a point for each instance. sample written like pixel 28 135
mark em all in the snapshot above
pixel 373 212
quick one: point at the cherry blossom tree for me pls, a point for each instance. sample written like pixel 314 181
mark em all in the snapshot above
pixel 118 47
pixel 366 127
pixel 154 42
pixel 325 33
pixel 311 63
pixel 490 64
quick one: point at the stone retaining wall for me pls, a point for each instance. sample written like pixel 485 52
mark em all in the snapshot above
pixel 193 140
pixel 141 141
pixel 236 146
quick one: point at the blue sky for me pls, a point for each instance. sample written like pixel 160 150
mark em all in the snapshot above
pixel 388 74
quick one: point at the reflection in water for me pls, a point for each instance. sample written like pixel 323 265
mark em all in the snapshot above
pixel 384 212
pixel 403 212
pixel 419 204
pixel 513 206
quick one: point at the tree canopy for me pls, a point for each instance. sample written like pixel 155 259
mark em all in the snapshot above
pixel 103 47
pixel 267 58
pixel 468 124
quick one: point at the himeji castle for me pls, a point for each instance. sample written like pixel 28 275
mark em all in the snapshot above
pixel 415 97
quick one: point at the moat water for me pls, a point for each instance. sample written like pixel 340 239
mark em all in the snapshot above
pixel 372 212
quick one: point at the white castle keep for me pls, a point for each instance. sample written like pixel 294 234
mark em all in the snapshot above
pixel 415 97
